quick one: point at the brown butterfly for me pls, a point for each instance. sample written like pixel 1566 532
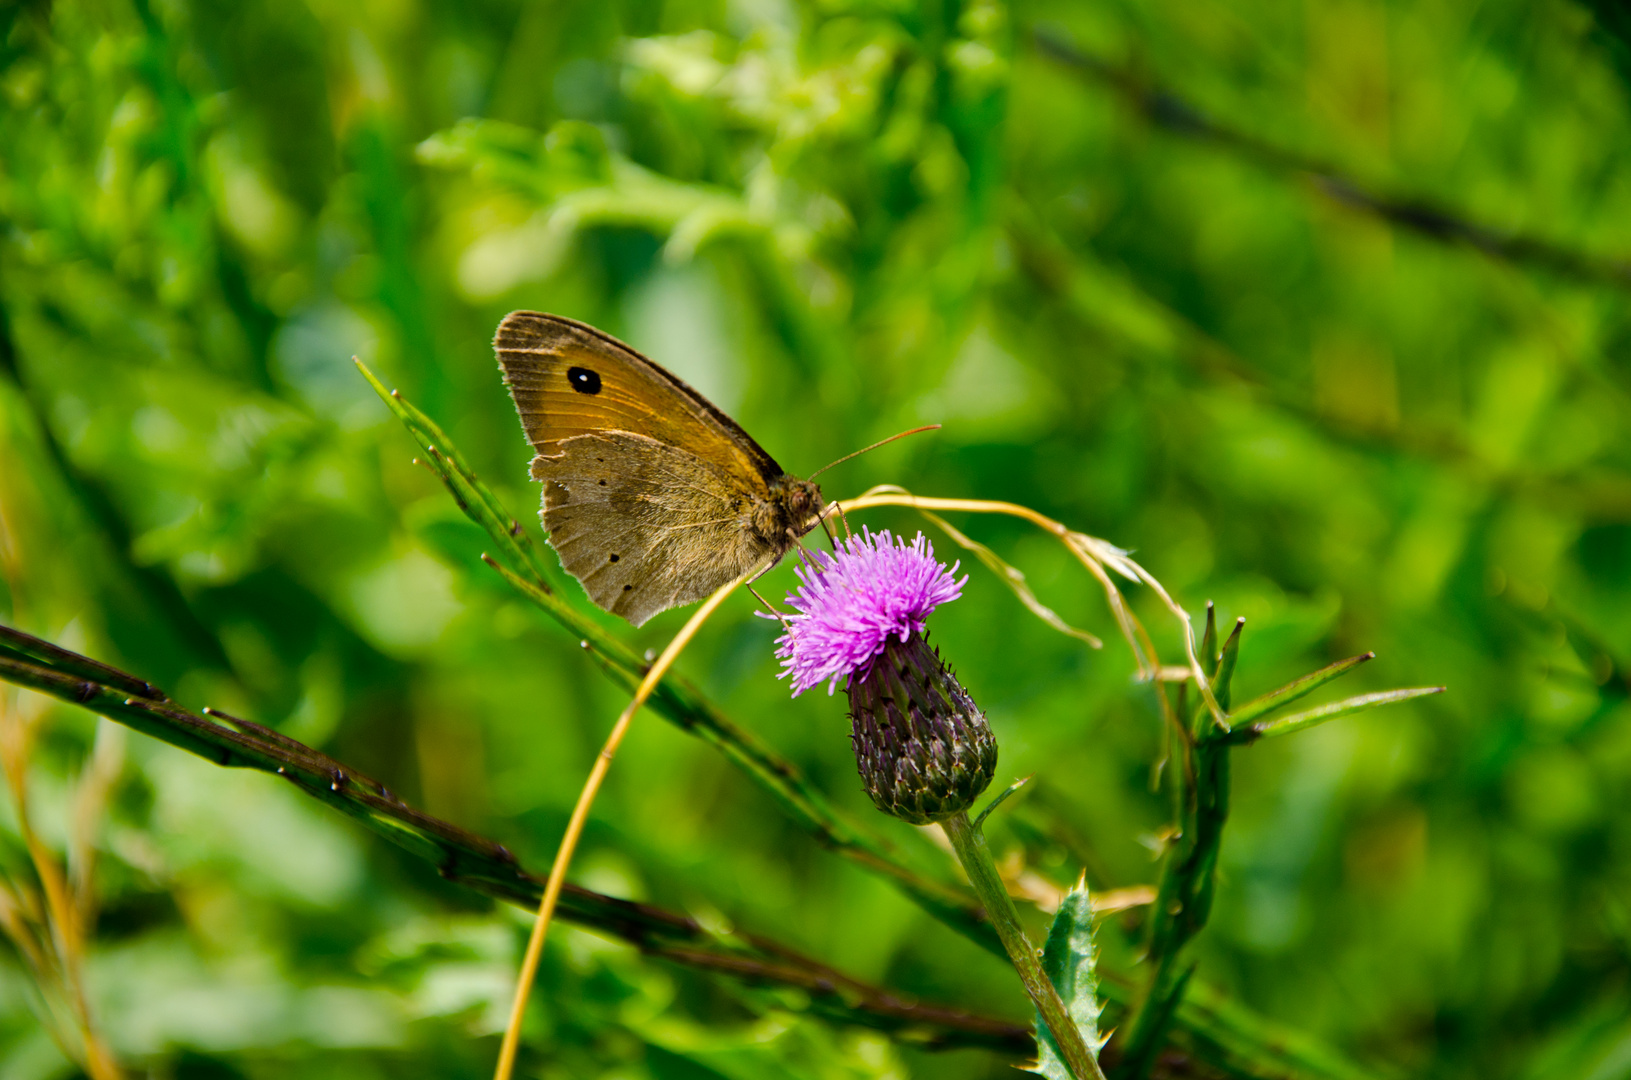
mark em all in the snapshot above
pixel 652 497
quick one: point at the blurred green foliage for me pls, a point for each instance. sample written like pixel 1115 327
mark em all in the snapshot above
pixel 837 220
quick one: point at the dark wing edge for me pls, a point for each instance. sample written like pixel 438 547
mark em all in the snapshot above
pixel 518 332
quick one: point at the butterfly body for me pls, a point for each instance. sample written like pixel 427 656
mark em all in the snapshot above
pixel 652 496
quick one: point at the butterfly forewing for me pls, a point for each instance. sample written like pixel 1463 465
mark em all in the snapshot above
pixel 570 379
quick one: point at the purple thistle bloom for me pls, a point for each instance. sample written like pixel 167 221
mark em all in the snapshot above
pixel 849 604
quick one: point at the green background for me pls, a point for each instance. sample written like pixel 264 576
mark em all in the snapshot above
pixel 1192 300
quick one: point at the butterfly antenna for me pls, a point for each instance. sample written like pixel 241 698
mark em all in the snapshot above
pixel 874 446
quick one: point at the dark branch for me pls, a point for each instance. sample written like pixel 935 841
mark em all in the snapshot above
pixel 483 864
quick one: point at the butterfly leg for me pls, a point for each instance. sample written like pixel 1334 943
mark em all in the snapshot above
pixel 842 517
pixel 769 607
pixel 827 528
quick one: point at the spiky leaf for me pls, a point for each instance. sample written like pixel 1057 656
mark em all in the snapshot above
pixel 1070 962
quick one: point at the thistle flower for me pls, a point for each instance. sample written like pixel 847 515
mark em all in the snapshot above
pixel 922 746
pixel 850 603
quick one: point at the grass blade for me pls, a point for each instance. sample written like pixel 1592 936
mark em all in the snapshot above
pixel 473 496
pixel 1209 638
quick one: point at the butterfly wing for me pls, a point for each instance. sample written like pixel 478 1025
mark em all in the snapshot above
pixel 570 379
pixel 649 490
pixel 645 526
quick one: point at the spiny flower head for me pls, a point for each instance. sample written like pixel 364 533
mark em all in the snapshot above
pixel 851 603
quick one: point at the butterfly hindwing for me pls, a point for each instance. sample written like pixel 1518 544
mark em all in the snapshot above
pixel 644 526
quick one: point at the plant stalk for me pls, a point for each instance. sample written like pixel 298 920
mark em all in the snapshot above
pixel 969 843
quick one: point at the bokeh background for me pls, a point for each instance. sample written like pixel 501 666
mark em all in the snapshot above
pixel 1314 305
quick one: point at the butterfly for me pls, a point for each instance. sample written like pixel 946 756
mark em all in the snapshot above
pixel 652 496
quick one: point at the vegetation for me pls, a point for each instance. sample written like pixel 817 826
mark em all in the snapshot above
pixel 1321 310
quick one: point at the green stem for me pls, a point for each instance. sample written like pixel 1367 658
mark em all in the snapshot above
pixel 1155 1012
pixel 1184 897
pixel 969 843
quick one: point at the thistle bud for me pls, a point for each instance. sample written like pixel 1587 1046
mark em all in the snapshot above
pixel 921 744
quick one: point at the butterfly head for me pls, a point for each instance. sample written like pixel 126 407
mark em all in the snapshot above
pixel 792 510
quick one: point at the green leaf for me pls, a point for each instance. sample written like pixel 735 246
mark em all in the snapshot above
pixel 1070 962
pixel 1001 796
pixel 1209 639
pixel 1226 667
pixel 1286 725
pixel 1297 688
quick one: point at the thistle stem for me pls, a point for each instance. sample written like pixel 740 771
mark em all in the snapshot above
pixel 969 843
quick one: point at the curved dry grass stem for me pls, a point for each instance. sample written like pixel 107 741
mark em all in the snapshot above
pixel 1098 556
pixel 1013 578
pixel 580 815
